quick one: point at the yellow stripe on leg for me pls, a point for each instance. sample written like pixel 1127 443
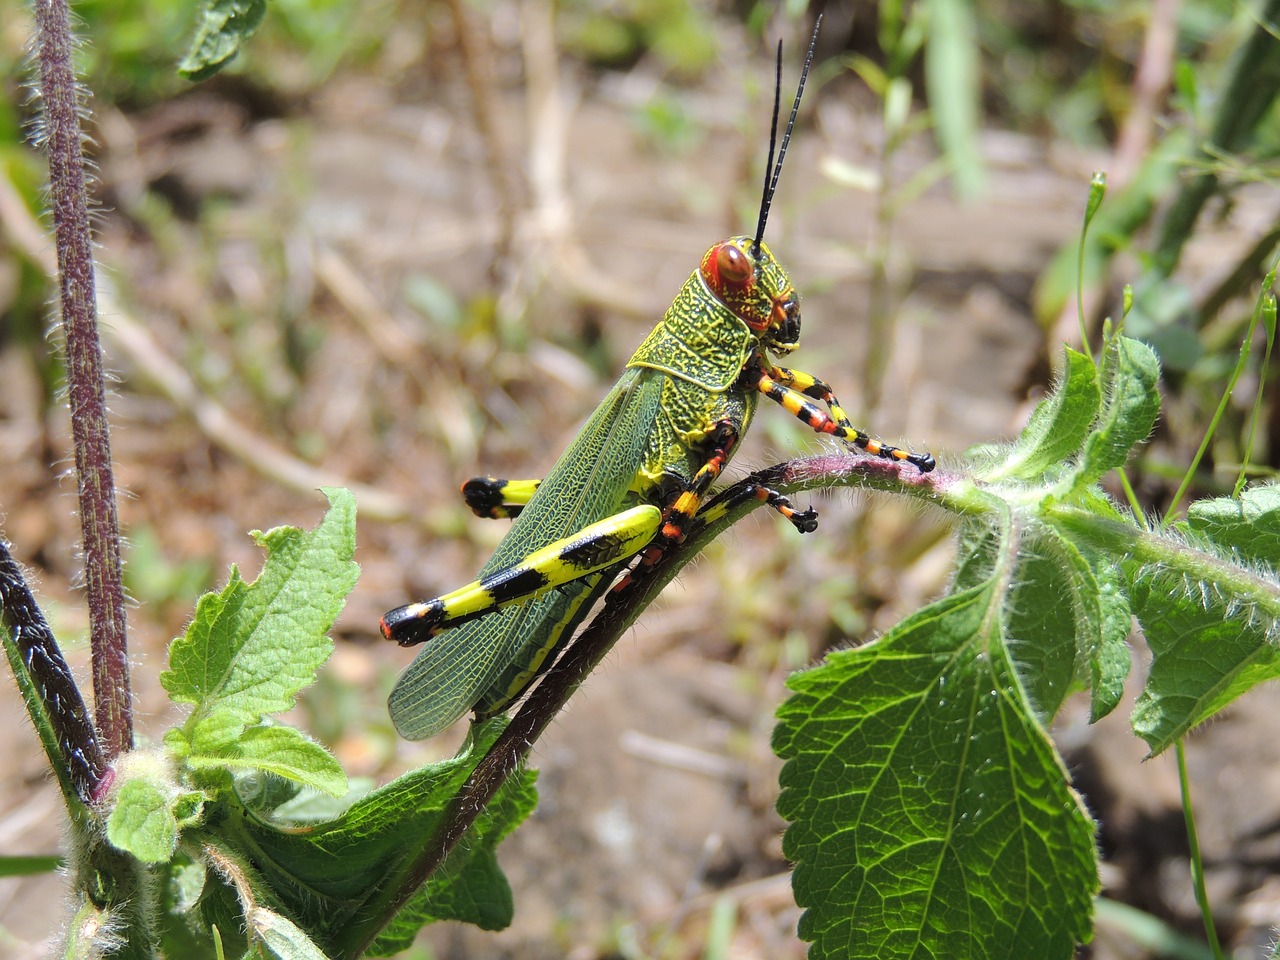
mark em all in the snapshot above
pixel 594 547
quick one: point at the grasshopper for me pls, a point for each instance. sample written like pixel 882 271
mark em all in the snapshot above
pixel 631 483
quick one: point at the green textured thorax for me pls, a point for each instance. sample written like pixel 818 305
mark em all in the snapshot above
pixel 688 412
pixel 699 340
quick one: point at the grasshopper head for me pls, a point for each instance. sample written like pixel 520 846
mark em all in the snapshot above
pixel 746 278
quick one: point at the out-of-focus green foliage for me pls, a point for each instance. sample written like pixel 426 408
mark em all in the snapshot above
pixel 679 33
pixel 136 44
pixel 301 41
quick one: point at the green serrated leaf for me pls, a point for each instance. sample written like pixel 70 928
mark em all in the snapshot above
pixel 142 822
pixel 1053 621
pixel 1082 591
pixel 282 751
pixel 1205 653
pixel 1128 413
pixel 1249 527
pixel 930 814
pixel 215 732
pixel 1058 426
pixel 477 892
pixel 225 25
pixel 977 547
pixel 252 647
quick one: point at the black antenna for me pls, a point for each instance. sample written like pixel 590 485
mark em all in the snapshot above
pixel 767 197
pixel 772 171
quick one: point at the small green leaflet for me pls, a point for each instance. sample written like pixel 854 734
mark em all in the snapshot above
pixel 247 653
pixel 1207 651
pixel 1059 424
pixel 1128 414
pixel 279 750
pixel 335 875
pixel 143 822
pixel 224 26
pixel 1110 665
pixel 252 647
pixel 1249 527
pixel 1082 425
pixel 474 889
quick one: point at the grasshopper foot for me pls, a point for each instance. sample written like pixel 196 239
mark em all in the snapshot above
pixel 806 521
pixel 924 462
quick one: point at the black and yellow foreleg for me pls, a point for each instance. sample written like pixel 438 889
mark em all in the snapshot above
pixel 687 508
pixel 595 547
pixel 496 499
pixel 682 508
pixel 679 514
pixel 794 390
pixel 806 521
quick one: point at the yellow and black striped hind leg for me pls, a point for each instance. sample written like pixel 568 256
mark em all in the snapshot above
pixel 494 498
pixel 794 391
pixel 602 544
pixel 685 510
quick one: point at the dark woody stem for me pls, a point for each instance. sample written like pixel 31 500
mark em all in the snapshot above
pixel 53 701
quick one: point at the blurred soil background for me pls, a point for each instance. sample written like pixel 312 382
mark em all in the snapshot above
pixel 404 242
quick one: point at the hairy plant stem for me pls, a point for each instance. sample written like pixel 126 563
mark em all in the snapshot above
pixel 1169 553
pixel 85 387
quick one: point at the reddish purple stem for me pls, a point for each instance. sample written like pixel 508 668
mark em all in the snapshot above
pixel 87 393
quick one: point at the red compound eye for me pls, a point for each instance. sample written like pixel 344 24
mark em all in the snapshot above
pixel 733 264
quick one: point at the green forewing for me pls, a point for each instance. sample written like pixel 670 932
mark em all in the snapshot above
pixel 478 662
pixel 545 622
